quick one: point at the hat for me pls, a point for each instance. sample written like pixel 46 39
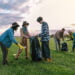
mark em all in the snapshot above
pixel 25 23
pixel 15 24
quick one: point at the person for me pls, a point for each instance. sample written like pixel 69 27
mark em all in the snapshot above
pixel 24 39
pixel 72 37
pixel 6 40
pixel 45 39
pixel 58 36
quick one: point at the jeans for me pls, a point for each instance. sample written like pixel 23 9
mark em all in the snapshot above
pixel 45 49
pixel 57 44
pixel 4 52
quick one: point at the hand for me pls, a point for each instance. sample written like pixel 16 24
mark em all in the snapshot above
pixel 20 46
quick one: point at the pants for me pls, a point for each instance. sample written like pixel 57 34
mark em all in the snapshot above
pixel 45 49
pixel 57 44
pixel 73 46
pixel 4 52
pixel 23 43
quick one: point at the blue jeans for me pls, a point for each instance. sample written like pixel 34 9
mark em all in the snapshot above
pixel 45 49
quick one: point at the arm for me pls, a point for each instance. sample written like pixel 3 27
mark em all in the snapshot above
pixel 44 30
pixel 12 38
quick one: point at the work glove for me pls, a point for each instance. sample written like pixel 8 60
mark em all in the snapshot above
pixel 20 46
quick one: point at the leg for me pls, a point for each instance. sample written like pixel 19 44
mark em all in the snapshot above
pixel 26 50
pixel 73 46
pixel 18 53
pixel 43 51
pixel 5 53
pixel 56 44
pixel 46 50
pixel 59 44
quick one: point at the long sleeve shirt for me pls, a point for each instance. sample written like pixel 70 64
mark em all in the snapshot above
pixel 59 34
pixel 7 38
pixel 44 32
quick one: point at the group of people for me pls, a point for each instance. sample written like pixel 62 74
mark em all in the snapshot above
pixel 7 38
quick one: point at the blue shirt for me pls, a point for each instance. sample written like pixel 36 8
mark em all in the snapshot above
pixel 45 32
pixel 74 36
pixel 7 38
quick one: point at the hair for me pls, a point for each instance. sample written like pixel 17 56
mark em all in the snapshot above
pixel 14 26
pixel 39 19
pixel 25 23
pixel 63 29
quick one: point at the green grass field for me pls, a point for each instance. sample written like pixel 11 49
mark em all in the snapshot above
pixel 63 63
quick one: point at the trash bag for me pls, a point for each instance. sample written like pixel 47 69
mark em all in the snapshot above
pixel 35 49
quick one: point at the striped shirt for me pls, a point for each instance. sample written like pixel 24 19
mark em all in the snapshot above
pixel 44 32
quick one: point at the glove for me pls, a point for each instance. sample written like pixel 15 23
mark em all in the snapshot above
pixel 20 46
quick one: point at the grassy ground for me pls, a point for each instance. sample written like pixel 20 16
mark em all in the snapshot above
pixel 63 63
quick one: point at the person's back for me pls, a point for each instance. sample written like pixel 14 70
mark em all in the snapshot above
pixel 45 32
pixel 5 38
pixel 59 34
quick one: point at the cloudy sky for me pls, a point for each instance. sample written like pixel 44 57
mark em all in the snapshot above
pixel 58 13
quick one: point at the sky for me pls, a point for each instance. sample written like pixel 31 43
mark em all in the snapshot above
pixel 58 13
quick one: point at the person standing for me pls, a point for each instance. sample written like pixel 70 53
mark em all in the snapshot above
pixel 6 40
pixel 24 39
pixel 45 39
pixel 58 36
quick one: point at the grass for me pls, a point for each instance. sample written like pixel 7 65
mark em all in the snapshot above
pixel 63 63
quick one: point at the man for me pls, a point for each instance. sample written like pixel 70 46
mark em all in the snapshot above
pixel 58 36
pixel 6 40
pixel 45 39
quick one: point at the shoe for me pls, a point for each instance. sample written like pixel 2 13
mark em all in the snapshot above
pixel 26 57
pixel 5 63
pixel 48 59
pixel 16 58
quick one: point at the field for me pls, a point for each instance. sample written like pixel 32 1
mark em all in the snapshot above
pixel 63 63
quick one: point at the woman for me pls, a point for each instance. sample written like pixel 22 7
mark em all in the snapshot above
pixel 24 37
pixel 6 40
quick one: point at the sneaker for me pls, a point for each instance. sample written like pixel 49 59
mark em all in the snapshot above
pixel 5 63
pixel 48 59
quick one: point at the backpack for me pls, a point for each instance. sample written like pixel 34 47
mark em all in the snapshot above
pixel 64 47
